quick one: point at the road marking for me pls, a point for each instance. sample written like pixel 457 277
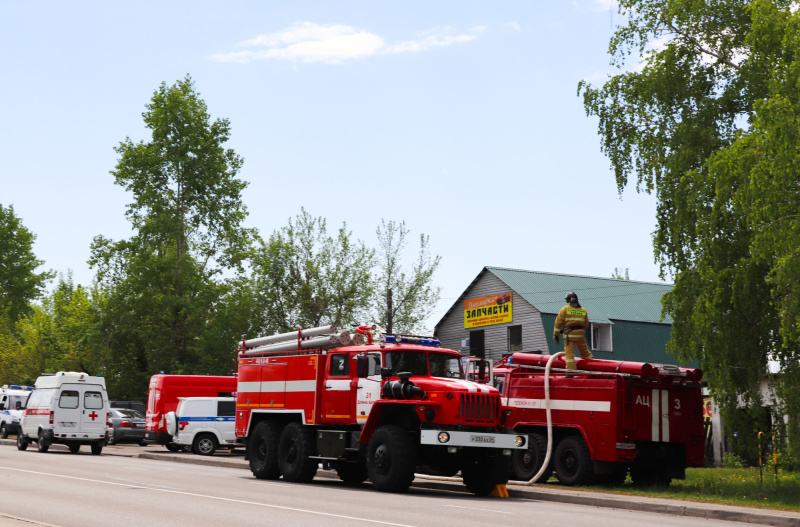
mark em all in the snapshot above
pixel 477 509
pixel 231 500
pixel 132 482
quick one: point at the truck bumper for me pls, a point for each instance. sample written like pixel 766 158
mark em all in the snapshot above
pixel 473 439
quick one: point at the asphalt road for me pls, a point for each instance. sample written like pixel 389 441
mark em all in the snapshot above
pixel 81 490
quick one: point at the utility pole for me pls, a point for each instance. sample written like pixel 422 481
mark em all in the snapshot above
pixel 389 312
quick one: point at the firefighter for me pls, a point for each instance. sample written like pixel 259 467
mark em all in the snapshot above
pixel 572 322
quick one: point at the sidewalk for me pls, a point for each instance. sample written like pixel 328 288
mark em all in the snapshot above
pixel 537 492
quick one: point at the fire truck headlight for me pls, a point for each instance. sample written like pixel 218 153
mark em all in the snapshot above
pixel 444 437
pixel 519 440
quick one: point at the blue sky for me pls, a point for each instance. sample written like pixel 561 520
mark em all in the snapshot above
pixel 460 118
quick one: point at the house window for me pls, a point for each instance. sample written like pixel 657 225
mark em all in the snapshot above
pixel 601 337
pixel 514 338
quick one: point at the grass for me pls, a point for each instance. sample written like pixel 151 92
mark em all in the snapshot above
pixel 730 486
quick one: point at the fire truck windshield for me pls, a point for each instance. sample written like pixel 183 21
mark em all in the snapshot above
pixel 414 362
pixel 444 365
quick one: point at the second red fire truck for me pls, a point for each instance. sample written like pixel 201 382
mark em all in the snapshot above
pixel 608 418
pixel 384 411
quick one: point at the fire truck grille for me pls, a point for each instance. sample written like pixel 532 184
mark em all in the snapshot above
pixel 479 407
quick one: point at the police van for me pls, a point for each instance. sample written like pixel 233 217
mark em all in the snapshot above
pixel 12 405
pixel 203 424
pixel 69 408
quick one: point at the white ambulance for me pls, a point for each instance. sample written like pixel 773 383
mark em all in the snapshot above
pixel 70 408
pixel 12 406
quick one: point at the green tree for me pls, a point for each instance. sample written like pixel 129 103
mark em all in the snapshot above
pixel 165 283
pixel 63 333
pixel 708 124
pixel 20 284
pixel 304 277
pixel 413 294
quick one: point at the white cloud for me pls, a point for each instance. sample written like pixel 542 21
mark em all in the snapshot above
pixel 333 44
pixel 513 25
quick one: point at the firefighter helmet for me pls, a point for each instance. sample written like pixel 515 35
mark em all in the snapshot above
pixel 572 299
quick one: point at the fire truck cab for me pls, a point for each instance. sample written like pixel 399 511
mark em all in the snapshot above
pixel 381 411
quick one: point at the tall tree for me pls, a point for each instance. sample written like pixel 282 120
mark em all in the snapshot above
pixel 20 284
pixel 305 277
pixel 707 123
pixel 166 281
pixel 413 295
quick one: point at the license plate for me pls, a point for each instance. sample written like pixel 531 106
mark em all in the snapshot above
pixel 481 439
pixel 66 425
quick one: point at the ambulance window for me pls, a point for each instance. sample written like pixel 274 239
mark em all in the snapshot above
pixel 92 400
pixel 340 365
pixel 68 399
pixel 47 398
pixel 35 398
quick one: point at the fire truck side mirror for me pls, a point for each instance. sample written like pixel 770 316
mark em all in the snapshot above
pixel 361 370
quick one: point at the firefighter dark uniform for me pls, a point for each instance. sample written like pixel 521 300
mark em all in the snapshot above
pixel 572 322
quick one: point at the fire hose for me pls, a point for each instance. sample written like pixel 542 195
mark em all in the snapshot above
pixel 549 435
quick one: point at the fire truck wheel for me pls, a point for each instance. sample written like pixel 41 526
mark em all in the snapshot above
pixel 573 462
pixel 41 443
pixel 204 445
pixel 526 463
pixel 22 442
pixel 74 447
pixel 351 473
pixel 97 447
pixel 3 431
pixel 484 471
pixel 294 449
pixel 262 450
pixel 391 459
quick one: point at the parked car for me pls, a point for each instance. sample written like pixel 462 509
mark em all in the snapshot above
pixel 203 424
pixel 139 406
pixel 126 426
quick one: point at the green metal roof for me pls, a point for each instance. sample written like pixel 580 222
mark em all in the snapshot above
pixel 605 299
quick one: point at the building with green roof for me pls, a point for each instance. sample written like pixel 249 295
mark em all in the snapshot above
pixel 508 310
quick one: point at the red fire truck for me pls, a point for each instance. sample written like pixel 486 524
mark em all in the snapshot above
pixel 163 397
pixel 381 410
pixel 608 417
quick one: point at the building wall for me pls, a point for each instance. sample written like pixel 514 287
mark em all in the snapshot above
pixel 451 329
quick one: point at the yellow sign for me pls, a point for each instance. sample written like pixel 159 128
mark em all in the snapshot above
pixel 495 309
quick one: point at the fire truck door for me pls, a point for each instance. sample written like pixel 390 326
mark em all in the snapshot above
pixel 369 388
pixel 336 405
